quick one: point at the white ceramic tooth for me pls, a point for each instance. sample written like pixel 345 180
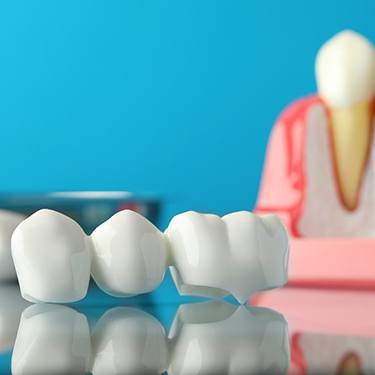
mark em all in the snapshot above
pixel 239 254
pixel 345 69
pixel 8 222
pixel 217 338
pixel 129 255
pixel 52 258
pixel 52 339
pixel 11 306
pixel 128 341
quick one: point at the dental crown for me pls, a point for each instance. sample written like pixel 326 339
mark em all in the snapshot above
pixel 210 256
pixel 345 69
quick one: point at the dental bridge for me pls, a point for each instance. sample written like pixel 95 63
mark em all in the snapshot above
pixel 212 337
pixel 208 255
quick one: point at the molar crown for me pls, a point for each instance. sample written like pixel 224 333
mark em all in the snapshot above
pixel 237 254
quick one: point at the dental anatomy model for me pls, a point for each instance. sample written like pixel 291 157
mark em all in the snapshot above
pixel 211 256
pixel 321 159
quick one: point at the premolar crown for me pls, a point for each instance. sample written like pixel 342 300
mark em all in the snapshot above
pixel 52 258
pixel 211 256
pixel 129 255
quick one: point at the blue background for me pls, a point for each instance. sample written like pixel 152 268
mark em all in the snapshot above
pixel 172 97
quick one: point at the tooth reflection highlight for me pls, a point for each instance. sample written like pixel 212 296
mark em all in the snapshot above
pixel 218 338
pixel 52 339
pixel 129 341
pixel 205 338
pixel 11 306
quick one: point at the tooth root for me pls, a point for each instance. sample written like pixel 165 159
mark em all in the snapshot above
pixel 351 136
pixel 8 222
pixel 51 339
pixel 128 341
pixel 51 257
pixel 238 254
pixel 129 255
pixel 233 340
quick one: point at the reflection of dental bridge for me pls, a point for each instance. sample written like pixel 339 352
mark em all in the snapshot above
pixel 212 337
pixel 209 256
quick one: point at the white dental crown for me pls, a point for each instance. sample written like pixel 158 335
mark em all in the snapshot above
pixel 238 254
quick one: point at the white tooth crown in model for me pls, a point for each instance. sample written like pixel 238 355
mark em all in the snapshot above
pixel 237 254
pixel 345 69
pixel 129 255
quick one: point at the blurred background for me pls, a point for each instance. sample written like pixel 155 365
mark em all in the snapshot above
pixel 176 98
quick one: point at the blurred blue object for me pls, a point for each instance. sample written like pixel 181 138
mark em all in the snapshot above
pixel 88 208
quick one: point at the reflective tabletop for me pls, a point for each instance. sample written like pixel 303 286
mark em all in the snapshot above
pixel 295 331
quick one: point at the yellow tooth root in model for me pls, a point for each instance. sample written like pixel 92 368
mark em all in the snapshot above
pixel 345 70
pixel 351 135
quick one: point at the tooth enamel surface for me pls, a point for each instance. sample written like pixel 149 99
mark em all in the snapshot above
pixel 51 339
pixel 233 340
pixel 128 341
pixel 52 258
pixel 11 306
pixel 129 255
pixel 345 70
pixel 8 222
pixel 238 254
